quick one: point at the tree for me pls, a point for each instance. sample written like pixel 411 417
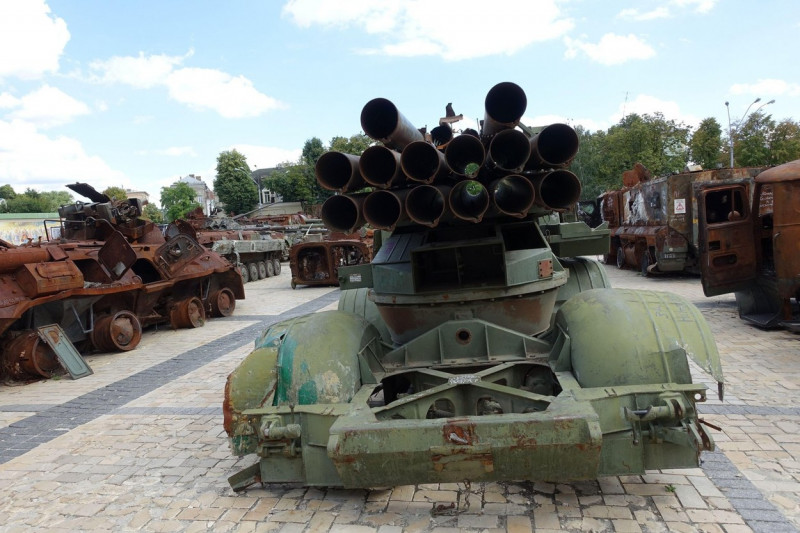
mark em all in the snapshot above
pixel 152 213
pixel 355 144
pixel 116 193
pixel 751 140
pixel 234 185
pixel 178 200
pixel 705 146
pixel 32 201
pixel 784 142
pixel 7 192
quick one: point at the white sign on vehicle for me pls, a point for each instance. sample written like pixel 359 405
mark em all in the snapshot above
pixel 680 206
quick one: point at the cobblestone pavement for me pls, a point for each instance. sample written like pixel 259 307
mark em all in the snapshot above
pixel 139 445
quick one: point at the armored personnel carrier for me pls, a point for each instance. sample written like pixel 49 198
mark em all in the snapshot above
pixel 479 344
pixel 255 255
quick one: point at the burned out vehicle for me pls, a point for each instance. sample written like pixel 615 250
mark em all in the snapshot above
pixel 654 223
pixel 477 345
pixel 318 262
pixel 751 247
pixel 256 255
pixel 108 275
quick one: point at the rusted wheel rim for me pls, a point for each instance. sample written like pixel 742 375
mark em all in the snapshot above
pixel 28 356
pixel 223 302
pixel 195 313
pixel 125 331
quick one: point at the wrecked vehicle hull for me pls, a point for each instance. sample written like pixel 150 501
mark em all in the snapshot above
pixel 109 275
pixel 469 349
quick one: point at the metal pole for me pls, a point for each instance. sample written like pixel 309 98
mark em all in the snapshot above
pixel 730 135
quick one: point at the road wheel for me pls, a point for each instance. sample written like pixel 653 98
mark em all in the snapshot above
pixel 276 265
pixel 245 273
pixel 270 269
pixel 262 270
pixel 222 302
pixel 119 332
pixel 620 258
pixel 253 271
pixel 189 313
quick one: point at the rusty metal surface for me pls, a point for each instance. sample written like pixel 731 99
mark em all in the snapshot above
pixel 666 206
pixel 110 275
pixel 317 263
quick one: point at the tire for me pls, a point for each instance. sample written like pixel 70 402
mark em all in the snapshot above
pixel 262 270
pixel 245 273
pixel 270 268
pixel 253 271
pixel 620 258
pixel 276 265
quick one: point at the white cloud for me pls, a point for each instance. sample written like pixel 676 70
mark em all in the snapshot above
pixel 266 156
pixel 47 107
pixel 8 101
pixel 31 40
pixel 231 97
pixel 611 49
pixel 654 14
pixel 198 88
pixel 31 159
pixel 650 105
pixel 699 6
pixel 546 120
pixel 767 87
pixel 177 151
pixel 143 72
pixel 452 29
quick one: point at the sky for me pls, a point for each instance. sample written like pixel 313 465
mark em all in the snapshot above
pixel 138 94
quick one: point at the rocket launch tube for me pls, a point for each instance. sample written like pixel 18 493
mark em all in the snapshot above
pixel 343 213
pixel 556 189
pixel 469 200
pixel 505 104
pixel 381 121
pixel 422 162
pixel 513 195
pixel 553 147
pixel 465 155
pixel 427 204
pixel 380 167
pixel 337 171
pixel 509 150
pixel 384 209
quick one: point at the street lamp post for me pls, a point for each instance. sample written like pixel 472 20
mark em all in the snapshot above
pixel 741 121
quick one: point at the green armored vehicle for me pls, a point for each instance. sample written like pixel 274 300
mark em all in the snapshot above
pixel 478 344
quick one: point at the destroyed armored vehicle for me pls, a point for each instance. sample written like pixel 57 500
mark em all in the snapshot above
pixel 478 344
pixel 255 255
pixel 108 275
pixel 318 262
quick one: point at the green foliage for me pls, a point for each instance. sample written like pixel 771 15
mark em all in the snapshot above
pixel 705 147
pixel 234 185
pixel 152 213
pixel 32 201
pixel 297 182
pixel 7 192
pixel 116 193
pixel 785 142
pixel 178 200
pixel 751 140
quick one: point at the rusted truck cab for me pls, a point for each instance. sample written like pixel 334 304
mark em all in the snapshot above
pixel 750 244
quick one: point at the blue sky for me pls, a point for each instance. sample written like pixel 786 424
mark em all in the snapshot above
pixel 137 94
